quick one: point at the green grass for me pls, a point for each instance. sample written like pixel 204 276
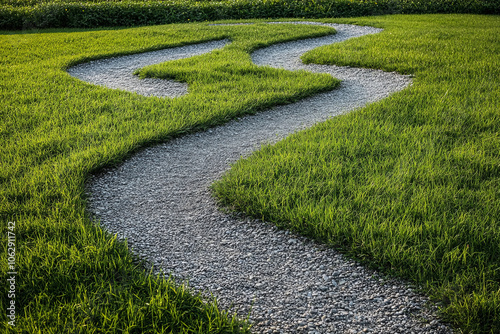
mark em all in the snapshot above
pixel 411 184
pixel 56 130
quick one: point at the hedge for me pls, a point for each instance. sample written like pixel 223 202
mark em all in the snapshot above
pixel 29 14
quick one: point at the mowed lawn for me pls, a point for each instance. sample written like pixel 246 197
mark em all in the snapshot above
pixel 55 130
pixel 411 184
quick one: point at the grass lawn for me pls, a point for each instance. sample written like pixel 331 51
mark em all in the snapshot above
pixel 55 130
pixel 411 184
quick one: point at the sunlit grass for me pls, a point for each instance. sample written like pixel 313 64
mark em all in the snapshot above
pixel 411 184
pixel 56 130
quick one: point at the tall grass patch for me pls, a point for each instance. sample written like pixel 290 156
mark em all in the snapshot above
pixel 411 184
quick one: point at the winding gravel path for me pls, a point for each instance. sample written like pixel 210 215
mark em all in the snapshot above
pixel 118 72
pixel 159 200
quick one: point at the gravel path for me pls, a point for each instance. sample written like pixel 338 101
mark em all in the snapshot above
pixel 118 72
pixel 159 200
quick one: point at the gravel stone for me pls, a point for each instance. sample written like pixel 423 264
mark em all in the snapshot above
pixel 160 202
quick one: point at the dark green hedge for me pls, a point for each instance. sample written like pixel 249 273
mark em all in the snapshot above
pixel 64 14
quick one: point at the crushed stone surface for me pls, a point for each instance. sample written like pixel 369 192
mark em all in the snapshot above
pixel 160 202
pixel 118 72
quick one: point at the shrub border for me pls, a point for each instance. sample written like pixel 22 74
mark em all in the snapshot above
pixel 132 13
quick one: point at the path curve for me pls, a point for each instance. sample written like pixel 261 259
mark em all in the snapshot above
pixel 117 72
pixel 159 200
